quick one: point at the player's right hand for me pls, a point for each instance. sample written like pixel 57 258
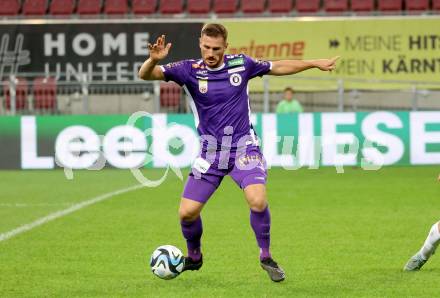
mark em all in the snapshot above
pixel 327 64
pixel 159 50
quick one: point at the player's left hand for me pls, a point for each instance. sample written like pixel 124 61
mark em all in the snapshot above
pixel 327 64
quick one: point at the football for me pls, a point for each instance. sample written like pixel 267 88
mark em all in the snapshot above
pixel 167 262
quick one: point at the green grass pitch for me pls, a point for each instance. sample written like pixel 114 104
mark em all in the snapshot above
pixel 343 235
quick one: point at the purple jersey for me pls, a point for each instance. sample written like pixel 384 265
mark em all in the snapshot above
pixel 220 96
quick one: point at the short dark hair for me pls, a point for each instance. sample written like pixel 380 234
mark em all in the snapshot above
pixel 214 30
pixel 288 89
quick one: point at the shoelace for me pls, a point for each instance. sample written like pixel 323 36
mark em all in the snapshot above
pixel 272 263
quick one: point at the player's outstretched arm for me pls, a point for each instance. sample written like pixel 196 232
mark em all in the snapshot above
pixel 158 51
pixel 288 67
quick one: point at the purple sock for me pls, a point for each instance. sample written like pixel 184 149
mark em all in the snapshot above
pixel 192 231
pixel 260 222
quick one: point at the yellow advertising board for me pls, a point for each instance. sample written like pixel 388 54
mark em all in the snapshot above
pixel 397 51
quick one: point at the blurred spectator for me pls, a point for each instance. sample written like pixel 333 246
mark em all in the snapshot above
pixel 289 104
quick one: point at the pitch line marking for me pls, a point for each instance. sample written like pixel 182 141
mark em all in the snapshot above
pixel 64 212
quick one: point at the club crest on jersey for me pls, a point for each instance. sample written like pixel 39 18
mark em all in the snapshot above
pixel 203 86
pixel 235 79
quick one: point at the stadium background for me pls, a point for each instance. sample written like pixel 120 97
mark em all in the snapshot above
pixel 348 208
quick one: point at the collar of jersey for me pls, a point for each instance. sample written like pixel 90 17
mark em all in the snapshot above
pixel 217 68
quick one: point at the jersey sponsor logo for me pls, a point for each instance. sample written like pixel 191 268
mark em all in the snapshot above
pixel 201 165
pixel 195 65
pixel 233 56
pixel 236 69
pixel 236 62
pixel 255 161
pixel 173 64
pixel 262 62
pixel 201 72
pixel 203 86
pixel 255 143
pixel 235 79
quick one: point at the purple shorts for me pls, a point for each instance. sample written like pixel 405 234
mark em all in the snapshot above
pixel 245 165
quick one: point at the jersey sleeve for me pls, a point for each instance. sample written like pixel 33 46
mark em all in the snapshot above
pixel 258 67
pixel 176 71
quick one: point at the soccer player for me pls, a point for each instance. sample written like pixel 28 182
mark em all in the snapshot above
pixel 217 85
pixel 428 249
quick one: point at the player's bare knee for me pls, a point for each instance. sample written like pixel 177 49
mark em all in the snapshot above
pixel 187 214
pixel 189 210
pixel 258 204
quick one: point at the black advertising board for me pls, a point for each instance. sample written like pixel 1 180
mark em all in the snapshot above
pixel 106 51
